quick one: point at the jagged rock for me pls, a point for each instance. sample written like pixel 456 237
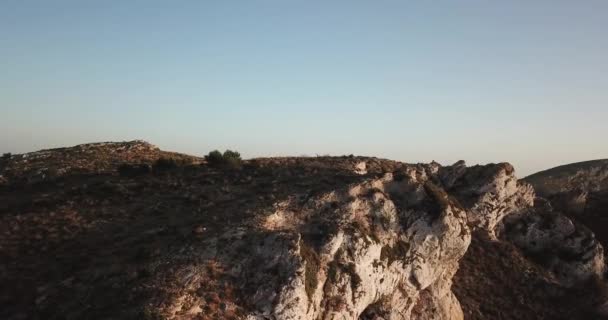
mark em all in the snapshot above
pixel 378 242
pixel 386 247
pixel 578 190
pixel 361 168
pixel 488 192
pixel 568 250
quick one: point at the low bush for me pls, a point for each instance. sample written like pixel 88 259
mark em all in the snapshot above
pixel 229 158
pixel 214 157
pixel 232 158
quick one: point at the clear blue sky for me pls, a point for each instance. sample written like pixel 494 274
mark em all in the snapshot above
pixel 484 81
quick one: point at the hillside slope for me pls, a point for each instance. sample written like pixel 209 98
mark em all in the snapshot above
pixel 580 190
pixel 278 238
pixel 588 176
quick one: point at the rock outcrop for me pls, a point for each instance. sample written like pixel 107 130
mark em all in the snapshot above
pixel 568 249
pixel 278 238
pixel 570 187
pixel 386 246
pixel 580 191
pixel 376 244
pixel 489 192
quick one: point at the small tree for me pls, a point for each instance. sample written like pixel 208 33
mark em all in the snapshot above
pixel 214 158
pixel 6 155
pixel 232 158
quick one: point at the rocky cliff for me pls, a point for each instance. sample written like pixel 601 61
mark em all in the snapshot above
pixel 280 238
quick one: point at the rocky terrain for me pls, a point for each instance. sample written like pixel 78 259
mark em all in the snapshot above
pixel 580 190
pixel 127 231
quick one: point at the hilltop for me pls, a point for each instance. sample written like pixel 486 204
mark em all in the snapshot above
pixel 587 176
pixel 84 159
pixel 128 231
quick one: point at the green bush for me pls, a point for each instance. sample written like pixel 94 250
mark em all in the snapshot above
pixel 232 158
pixel 6 155
pixel 214 157
pixel 229 154
pixel 229 158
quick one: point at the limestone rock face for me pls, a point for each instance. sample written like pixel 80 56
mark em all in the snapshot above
pixel 361 168
pixel 570 251
pixel 578 194
pixel 489 193
pixel 375 245
pixel 384 248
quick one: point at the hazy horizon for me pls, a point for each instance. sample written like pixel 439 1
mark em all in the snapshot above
pixel 481 81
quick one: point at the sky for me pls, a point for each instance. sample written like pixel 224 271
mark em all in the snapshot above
pixel 524 82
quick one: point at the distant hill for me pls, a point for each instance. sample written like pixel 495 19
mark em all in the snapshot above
pixel 588 176
pixel 90 158
pixel 579 190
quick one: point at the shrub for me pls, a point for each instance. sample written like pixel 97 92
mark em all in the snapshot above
pixel 229 154
pixel 231 159
pixel 165 164
pixel 6 155
pixel 214 158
